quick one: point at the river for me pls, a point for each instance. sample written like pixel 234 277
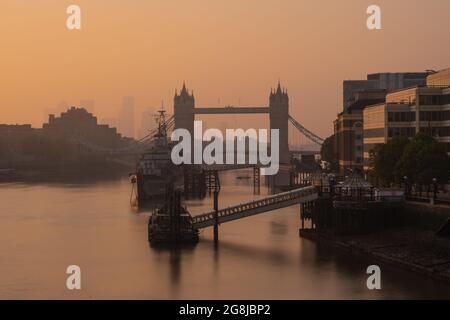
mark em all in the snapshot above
pixel 45 227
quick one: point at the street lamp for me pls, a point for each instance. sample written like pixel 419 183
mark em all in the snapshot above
pixel 331 185
pixel 405 178
pixel 434 188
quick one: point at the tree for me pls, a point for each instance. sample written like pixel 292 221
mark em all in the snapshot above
pixel 385 159
pixel 328 154
pixel 423 159
pixel 327 149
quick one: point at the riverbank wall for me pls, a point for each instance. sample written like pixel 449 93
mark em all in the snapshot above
pixel 425 216
pixel 413 245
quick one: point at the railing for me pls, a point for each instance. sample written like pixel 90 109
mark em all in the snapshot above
pixel 428 200
pixel 231 109
pixel 258 206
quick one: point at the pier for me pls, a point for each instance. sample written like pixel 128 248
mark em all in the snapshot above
pixel 351 207
pixel 243 210
pixel 218 216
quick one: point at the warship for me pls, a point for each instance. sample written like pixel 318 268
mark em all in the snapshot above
pixel 155 169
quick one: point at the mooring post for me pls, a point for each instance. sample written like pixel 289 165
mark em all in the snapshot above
pixel 302 215
pixel 216 216
pixel 256 181
pixel 209 182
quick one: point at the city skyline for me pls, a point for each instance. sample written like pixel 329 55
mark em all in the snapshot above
pixel 312 52
pixel 195 152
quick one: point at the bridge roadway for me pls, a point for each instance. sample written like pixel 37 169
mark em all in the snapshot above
pixel 277 201
pixel 230 110
pixel 226 167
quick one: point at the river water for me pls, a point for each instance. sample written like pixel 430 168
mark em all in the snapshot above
pixel 45 227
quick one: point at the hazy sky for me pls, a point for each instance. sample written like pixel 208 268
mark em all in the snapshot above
pixel 233 50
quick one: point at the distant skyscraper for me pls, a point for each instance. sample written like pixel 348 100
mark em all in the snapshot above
pixel 126 117
pixel 147 123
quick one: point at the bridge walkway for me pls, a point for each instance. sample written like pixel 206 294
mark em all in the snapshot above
pixel 277 201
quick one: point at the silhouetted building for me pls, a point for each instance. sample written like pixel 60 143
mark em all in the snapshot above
pixel 12 137
pixel 348 130
pixel 80 125
pixel 88 104
pixel 386 81
pixel 111 122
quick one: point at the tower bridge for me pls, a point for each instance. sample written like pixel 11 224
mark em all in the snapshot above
pixel 184 117
pixel 231 110
pixel 278 111
pixel 279 118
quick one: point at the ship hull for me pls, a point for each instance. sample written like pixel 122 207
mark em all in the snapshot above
pixel 164 228
pixel 151 190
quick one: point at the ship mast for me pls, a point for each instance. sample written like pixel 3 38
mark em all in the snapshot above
pixel 161 120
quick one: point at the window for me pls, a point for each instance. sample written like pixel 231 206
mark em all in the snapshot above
pixel 401 132
pixel 390 116
pixel 434 115
pixel 401 116
pixel 436 131
pixel 431 100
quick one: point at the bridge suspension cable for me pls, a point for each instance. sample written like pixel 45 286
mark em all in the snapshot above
pixel 169 126
pixel 308 134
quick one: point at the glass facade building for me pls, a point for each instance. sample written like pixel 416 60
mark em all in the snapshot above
pixel 409 111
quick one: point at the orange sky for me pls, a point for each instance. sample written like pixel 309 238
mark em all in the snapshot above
pixel 232 50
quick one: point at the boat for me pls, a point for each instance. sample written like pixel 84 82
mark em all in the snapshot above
pixel 172 223
pixel 155 169
pixel 164 228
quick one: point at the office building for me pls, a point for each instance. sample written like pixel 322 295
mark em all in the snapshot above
pixel 408 111
pixel 126 117
pixel 348 130
pixel 383 81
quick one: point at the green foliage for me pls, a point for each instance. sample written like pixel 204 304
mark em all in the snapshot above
pixel 385 159
pixel 327 153
pixel 420 159
pixel 327 149
pixel 424 159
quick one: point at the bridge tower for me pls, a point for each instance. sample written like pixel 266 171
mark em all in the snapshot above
pixel 183 107
pixel 279 119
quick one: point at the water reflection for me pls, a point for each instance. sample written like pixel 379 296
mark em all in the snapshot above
pixel 45 227
pixel 265 255
pixel 278 228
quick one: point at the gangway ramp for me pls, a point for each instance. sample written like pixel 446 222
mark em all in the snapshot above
pixel 251 208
